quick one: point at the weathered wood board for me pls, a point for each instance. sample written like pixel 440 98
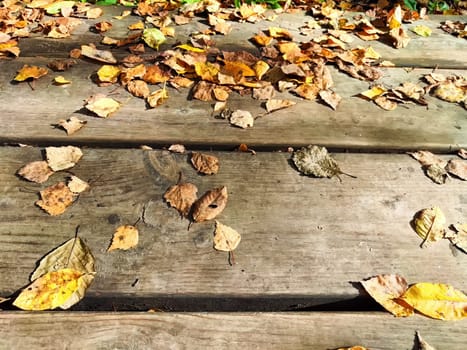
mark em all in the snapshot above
pixel 302 237
pixel 28 116
pixel 83 331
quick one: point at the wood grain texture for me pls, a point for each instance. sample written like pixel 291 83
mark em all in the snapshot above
pixel 104 331
pixel 300 236
pixel 28 116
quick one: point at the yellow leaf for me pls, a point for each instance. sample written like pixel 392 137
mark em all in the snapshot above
pixel 136 26
pixel 260 68
pixel 153 37
pixel 429 224
pixel 207 71
pixel 190 48
pixel 101 105
pixel 56 199
pixel 437 300
pixel 124 238
pixel 30 72
pixel 108 73
pixel 422 30
pixel 276 32
pixel 374 92
pixel 225 238
pixel 395 17
pixel 60 80
pixel 49 291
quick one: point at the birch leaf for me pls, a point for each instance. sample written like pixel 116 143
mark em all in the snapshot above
pixel 72 124
pixel 76 185
pixel 56 199
pixel 205 163
pixel 30 72
pixel 458 168
pixel 125 237
pixel 98 55
pixel 385 289
pixel 38 171
pixel 181 197
pixel 429 224
pixel 226 238
pixel 242 119
pixel 102 105
pixel 153 37
pixel 437 300
pixel 61 158
pixel 210 204
pixel 49 291
pixel 316 161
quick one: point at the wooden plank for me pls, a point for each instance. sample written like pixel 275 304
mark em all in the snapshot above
pixel 357 124
pixel 302 237
pixel 66 330
pixel 439 50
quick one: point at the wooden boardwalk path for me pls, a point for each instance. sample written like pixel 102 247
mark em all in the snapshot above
pixel 306 242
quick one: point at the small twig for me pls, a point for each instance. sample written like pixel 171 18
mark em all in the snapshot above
pixel 231 258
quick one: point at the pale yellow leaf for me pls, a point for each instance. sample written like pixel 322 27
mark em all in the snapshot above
pixel 225 238
pixel 125 237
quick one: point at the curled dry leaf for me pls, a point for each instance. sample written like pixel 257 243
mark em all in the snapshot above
pixel 38 171
pixel 462 153
pixel 459 237
pixel 125 237
pixel 72 124
pixel 49 291
pixel 177 148
pixel 276 104
pixel 438 174
pixel 98 55
pixel 429 224
pixel 56 199
pixel 74 254
pixel 263 93
pixel 400 37
pixel 426 158
pixel 205 163
pixel 226 238
pixel 242 119
pixel 316 161
pixel 385 289
pixel 422 344
pixel 448 91
pixel 61 158
pixel 331 98
pixel 138 88
pixel 211 204
pixel 157 97
pixel 385 103
pixel 458 168
pixel 181 197
pixel 437 300
pixel 76 185
pixel 102 105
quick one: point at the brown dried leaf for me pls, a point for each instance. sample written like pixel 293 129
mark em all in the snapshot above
pixel 458 238
pixel 331 98
pixel 458 168
pixel 276 104
pixel 205 163
pixel 226 238
pixel 264 93
pixel 462 153
pixel 61 158
pixel 102 105
pixel 203 91
pixel 211 204
pixel 181 197
pixel 385 103
pixel 61 65
pixel 71 125
pixel 55 199
pixel 437 173
pixel 157 97
pixel 125 237
pixel 385 289
pixel 426 158
pixel 177 148
pixel 103 26
pixel 138 88
pixel 98 55
pixel 38 171
pixel 448 91
pixel 400 37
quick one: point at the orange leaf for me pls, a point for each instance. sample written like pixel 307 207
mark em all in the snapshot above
pixel 211 204
pixel 30 72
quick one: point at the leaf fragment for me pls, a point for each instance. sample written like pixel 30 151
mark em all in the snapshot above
pixel 49 291
pixel 277 104
pixel 462 153
pixel 125 237
pixel 205 163
pixel 385 289
pixel 102 105
pixel 422 344
pixel 458 168
pixel 422 30
pixel 242 119
pixel 108 73
pixel 315 161
pixel 61 80
pixel 210 204
pixel 72 124
pixel 429 224
pixel 56 199
pixel 98 55
pixel 76 185
pixel 226 238
pixel 61 158
pixel 157 97
pixel 459 237
pixel 38 171
pixel 181 197
pixel 331 98
pixel 437 300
